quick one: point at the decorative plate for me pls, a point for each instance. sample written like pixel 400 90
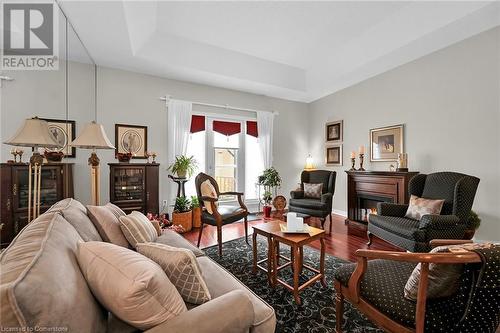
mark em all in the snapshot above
pixel 279 202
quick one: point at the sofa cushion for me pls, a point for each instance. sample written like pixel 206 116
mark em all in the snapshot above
pixel 229 214
pixel 220 282
pixel 172 238
pixel 419 207
pixel 182 269
pixel 308 203
pixel 107 224
pixel 76 214
pixel 137 228
pixel 131 286
pixel 401 226
pixel 41 282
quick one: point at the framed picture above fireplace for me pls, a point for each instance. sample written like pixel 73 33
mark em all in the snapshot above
pixel 386 143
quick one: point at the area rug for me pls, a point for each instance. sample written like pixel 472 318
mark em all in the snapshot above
pixel 317 312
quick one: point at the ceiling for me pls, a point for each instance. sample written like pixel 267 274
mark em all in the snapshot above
pixel 300 50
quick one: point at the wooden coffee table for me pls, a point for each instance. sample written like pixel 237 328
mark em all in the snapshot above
pixel 272 231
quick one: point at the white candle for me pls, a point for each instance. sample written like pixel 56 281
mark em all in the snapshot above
pixel 353 154
pixel 361 149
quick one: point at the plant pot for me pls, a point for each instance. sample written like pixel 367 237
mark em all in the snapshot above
pixel 184 219
pixel 469 233
pixel 267 211
pixel 181 174
pixel 197 217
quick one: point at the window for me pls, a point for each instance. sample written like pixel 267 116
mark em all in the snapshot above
pixel 225 151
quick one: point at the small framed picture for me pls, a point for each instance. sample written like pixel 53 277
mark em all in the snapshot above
pixel 333 155
pixel 63 132
pixel 334 131
pixel 131 139
pixel 386 143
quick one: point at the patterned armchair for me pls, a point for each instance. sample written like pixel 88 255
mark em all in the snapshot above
pixel 458 191
pixel 221 215
pixel 375 287
pixel 321 207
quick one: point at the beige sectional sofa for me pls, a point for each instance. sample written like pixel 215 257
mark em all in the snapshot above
pixel 42 287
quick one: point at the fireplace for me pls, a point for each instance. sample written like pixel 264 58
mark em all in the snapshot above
pixel 365 189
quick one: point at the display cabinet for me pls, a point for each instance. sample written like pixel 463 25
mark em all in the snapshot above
pixel 56 184
pixel 134 186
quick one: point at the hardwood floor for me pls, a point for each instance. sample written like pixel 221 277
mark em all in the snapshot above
pixel 338 244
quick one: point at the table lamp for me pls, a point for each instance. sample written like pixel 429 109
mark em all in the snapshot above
pixel 309 163
pixel 93 137
pixel 34 133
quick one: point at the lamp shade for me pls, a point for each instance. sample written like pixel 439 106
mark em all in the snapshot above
pixel 33 133
pixel 92 137
pixel 309 163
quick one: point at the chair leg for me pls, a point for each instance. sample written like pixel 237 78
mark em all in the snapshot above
pixel 370 238
pixel 199 235
pixel 323 220
pixel 219 239
pixel 331 222
pixel 339 309
pixel 246 229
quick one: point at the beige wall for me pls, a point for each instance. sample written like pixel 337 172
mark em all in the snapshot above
pixel 450 105
pixel 132 98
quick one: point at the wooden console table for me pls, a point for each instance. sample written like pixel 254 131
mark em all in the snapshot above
pixel 366 188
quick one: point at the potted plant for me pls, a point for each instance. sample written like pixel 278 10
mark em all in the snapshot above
pixel 474 223
pixel 195 207
pixel 270 179
pixel 183 165
pixel 182 214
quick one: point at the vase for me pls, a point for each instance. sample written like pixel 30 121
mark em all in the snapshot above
pixel 184 219
pixel 267 211
pixel 181 174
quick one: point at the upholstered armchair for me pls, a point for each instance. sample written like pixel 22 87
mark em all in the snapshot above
pixel 318 207
pixel 458 191
pixel 375 286
pixel 220 214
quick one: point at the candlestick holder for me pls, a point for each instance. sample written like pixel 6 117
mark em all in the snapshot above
pixel 361 158
pixel 353 164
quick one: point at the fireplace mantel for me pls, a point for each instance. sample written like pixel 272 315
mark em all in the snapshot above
pixel 366 188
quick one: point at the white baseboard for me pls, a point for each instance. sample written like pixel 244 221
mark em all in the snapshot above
pixel 340 212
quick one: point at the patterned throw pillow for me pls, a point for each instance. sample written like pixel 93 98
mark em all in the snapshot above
pixel 419 207
pixel 443 279
pixel 208 190
pixel 313 190
pixel 137 228
pixel 182 270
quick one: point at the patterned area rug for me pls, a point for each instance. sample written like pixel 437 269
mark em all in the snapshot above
pixel 317 312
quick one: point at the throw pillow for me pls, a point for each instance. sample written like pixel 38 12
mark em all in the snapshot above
pixel 131 286
pixel 443 280
pixel 115 210
pixel 208 190
pixel 137 228
pixel 182 269
pixel 313 190
pixel 107 224
pixel 156 225
pixel 419 207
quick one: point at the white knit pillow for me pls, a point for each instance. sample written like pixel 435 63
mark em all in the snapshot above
pixel 137 228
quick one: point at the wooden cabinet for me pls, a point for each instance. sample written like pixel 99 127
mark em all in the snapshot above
pixel 366 188
pixel 134 186
pixel 56 184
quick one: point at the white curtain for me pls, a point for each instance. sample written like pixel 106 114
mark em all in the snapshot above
pixel 265 129
pixel 178 127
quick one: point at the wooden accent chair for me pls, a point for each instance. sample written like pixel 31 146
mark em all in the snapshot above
pixel 221 214
pixel 376 288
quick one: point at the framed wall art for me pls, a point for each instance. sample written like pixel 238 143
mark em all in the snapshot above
pixel 386 143
pixel 63 132
pixel 334 131
pixel 333 155
pixel 131 139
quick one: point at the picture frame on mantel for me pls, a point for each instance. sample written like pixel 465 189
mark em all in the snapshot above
pixel 333 155
pixel 386 143
pixel 131 139
pixel 334 131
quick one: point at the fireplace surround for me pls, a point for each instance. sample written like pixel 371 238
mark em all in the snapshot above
pixel 367 188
